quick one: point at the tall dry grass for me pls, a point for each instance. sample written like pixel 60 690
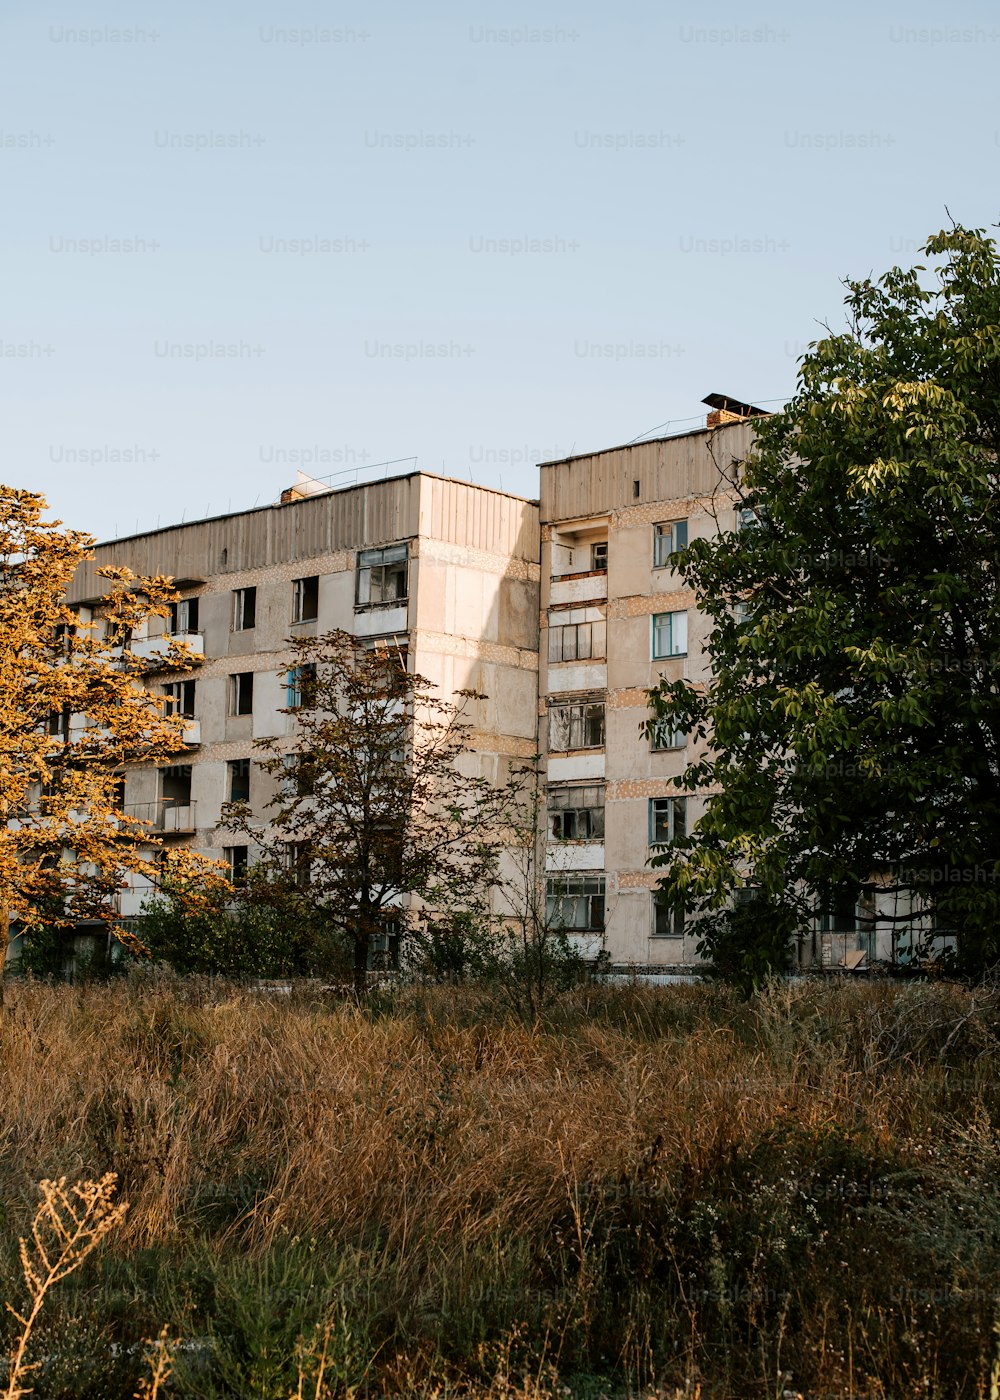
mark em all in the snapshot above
pixel 657 1187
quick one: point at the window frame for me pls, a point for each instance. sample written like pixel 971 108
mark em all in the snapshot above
pixel 586 712
pixel 668 530
pixel 561 890
pixel 180 698
pixel 597 646
pixel 300 687
pixel 239 682
pixel 298 862
pixel 655 635
pixel 599 557
pixel 661 726
pixel 672 806
pixel 305 595
pixel 673 915
pixel 232 765
pixel 386 562
pixel 241 596
pixel 238 860
pixel 184 615
pixel 568 814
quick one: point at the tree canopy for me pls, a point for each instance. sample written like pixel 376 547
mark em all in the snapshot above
pixel 74 715
pixel 852 721
pixel 381 816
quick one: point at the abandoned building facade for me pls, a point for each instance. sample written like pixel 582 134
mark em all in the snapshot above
pixel 563 612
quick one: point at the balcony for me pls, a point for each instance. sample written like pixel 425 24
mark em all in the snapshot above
pixel 168 815
pixel 191 733
pixel 590 587
pixel 574 855
pixel 153 649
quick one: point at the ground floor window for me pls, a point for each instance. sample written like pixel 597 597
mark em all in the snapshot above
pixel 575 903
pixel 668 917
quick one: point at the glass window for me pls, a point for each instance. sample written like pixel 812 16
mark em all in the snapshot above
pixel 580 641
pixel 300 687
pixel 599 557
pixel 668 539
pixel 668 918
pixel 382 577
pixel 667 820
pixel 576 813
pixel 576 726
pixel 575 903
pixel 664 736
pixel 670 634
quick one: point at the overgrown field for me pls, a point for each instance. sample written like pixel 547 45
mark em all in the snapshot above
pixel 656 1190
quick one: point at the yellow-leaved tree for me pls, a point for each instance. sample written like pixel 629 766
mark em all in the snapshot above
pixel 74 715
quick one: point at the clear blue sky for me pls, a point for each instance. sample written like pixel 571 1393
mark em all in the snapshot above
pixel 597 213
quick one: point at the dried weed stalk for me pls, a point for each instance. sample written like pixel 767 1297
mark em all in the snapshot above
pixel 69 1224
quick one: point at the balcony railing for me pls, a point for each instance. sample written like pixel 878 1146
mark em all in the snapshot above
pixel 173 816
pixel 152 649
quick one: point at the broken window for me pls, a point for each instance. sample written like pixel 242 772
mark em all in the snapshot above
pixel 305 599
pixel 241 693
pixel 237 858
pixel 382 577
pixel 668 917
pixel 576 726
pixel 575 903
pixel 576 813
pixel 298 862
pixel 180 698
pixel 184 616
pixel 667 820
pixel 175 785
pixel 239 779
pixel 244 609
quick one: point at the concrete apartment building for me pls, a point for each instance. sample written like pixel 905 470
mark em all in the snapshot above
pixel 441 569
pixel 615 618
pixel 564 612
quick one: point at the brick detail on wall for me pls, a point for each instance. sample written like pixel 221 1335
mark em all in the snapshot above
pixel 638 879
pixel 641 787
pixel 506 744
pixel 645 604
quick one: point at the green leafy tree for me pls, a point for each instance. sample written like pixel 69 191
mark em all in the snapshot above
pixel 381 822
pixel 200 924
pixel 75 715
pixel 853 715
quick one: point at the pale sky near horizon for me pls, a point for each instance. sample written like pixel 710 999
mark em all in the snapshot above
pixel 246 238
